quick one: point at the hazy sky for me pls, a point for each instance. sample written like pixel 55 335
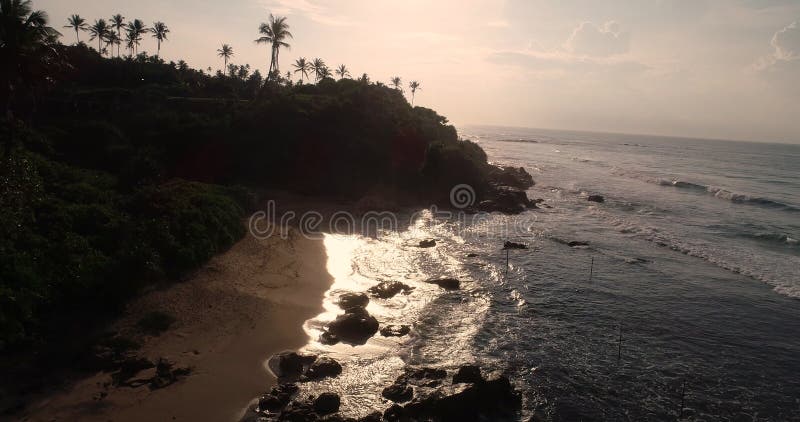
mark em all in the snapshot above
pixel 709 68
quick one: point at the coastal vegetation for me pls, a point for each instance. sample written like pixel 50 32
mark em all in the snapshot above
pixel 122 172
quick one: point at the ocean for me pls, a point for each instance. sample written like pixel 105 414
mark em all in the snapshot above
pixel 685 302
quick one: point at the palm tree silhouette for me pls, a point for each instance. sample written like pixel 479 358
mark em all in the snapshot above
pixel 78 23
pixel 113 39
pixel 160 32
pixel 117 22
pixel 396 82
pixel 342 71
pixel 275 32
pixel 317 65
pixel 288 76
pixel 99 30
pixel 414 85
pixel 302 66
pixel 226 52
pixel 325 72
pixel 135 31
pixel 25 46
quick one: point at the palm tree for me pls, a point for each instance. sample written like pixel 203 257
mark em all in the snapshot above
pixel 275 32
pixel 226 52
pixel 342 71
pixel 317 65
pixel 26 47
pixel 78 23
pixel 113 39
pixel 135 30
pixel 414 85
pixel 99 30
pixel 160 32
pixel 302 66
pixel 396 82
pixel 325 72
pixel 117 22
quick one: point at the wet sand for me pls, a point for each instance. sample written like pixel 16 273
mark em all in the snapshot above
pixel 231 316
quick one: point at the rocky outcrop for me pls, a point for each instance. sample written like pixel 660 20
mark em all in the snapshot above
pixel 516 177
pixel 513 245
pixel 505 199
pixel 576 243
pixel 470 397
pixel 387 289
pixel 596 198
pixel 445 283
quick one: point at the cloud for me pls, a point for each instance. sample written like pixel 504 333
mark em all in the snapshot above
pixel 566 63
pixel 782 67
pixel 308 8
pixel 786 42
pixel 600 41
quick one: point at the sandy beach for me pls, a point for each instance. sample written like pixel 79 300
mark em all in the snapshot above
pixel 231 316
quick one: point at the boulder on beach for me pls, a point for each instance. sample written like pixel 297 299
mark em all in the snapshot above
pixel 355 326
pixel 327 403
pixel 395 330
pixel 353 300
pixel 290 365
pixel 387 289
pixel 323 367
pixel 427 243
pixel 445 283
pixel 513 245
pixel 596 198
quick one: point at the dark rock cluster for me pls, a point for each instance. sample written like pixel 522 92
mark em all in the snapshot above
pixel 425 394
pixel 387 289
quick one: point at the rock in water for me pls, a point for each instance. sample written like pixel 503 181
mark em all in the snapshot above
pixel 427 243
pixel 289 365
pixel 398 392
pixel 395 330
pixel 353 300
pixel 596 198
pixel 323 367
pixel 387 289
pixel 445 283
pixel 468 374
pixel 514 245
pixel 327 403
pixel 575 243
pixel 354 327
pixel 277 398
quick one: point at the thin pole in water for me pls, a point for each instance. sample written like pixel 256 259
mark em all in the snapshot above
pixel 619 344
pixel 506 262
pixel 683 396
pixel 591 270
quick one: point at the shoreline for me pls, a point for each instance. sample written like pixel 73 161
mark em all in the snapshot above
pixel 230 316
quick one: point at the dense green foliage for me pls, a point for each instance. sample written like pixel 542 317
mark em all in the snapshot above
pixel 124 172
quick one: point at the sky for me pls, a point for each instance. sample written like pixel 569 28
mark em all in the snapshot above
pixel 727 69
